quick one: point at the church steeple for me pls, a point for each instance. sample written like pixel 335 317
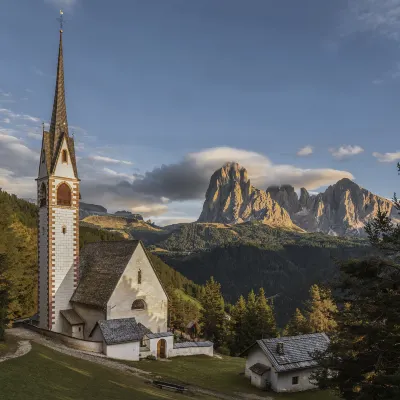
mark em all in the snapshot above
pixel 59 123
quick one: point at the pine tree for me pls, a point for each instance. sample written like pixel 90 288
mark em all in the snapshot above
pixel 212 317
pixel 297 325
pixel 238 324
pixel 321 310
pixel 266 325
pixel 363 358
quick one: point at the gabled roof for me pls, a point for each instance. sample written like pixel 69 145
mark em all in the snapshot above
pixel 259 369
pixel 122 330
pixel 72 317
pixel 297 350
pixel 159 335
pixel 101 266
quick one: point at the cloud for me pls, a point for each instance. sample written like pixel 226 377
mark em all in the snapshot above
pixel 346 151
pixel 15 156
pixel 25 117
pixel 189 178
pixel 36 136
pixel 387 157
pixel 305 151
pixel 118 174
pixel 109 160
pixel 38 71
pixel 378 16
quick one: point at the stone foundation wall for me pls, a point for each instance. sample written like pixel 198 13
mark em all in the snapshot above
pixel 78 344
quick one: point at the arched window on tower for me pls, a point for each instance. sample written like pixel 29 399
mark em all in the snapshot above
pixel 64 156
pixel 64 195
pixel 138 304
pixel 42 196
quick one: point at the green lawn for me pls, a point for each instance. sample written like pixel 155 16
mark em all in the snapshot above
pixel 9 345
pixel 223 375
pixel 44 374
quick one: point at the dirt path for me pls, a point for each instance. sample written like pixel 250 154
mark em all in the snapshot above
pixel 28 335
pixel 24 347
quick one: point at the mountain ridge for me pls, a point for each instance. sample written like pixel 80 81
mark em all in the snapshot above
pixel 342 209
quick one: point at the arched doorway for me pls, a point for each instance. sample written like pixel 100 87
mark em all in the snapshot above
pixel 161 347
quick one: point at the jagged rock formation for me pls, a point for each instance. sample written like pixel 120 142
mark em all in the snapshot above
pixel 231 199
pixel 343 209
pixel 128 214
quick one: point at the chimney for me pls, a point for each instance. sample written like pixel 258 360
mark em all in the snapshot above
pixel 279 348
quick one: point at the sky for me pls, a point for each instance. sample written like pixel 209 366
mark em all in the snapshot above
pixel 161 93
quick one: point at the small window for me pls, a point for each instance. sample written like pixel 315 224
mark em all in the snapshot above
pixel 43 196
pixel 80 329
pixel 64 157
pixel 295 380
pixel 64 230
pixel 139 277
pixel 138 305
pixel 43 157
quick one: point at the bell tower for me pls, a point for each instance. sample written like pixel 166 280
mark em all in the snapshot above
pixel 58 201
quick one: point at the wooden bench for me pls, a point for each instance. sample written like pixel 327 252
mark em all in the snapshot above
pixel 170 386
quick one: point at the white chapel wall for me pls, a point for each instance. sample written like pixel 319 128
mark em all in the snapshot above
pixel 150 290
pixel 124 351
pixel 90 315
pixel 284 382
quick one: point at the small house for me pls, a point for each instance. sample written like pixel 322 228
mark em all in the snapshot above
pixel 284 364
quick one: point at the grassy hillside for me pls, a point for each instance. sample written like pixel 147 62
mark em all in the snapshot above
pixel 49 375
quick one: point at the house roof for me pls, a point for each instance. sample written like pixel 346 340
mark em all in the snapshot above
pixel 101 266
pixel 297 350
pixel 122 330
pixel 159 335
pixel 259 369
pixel 72 317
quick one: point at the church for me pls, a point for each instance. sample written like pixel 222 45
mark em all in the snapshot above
pixel 109 293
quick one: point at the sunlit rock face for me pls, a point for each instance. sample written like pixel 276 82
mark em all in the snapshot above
pixel 343 209
pixel 231 199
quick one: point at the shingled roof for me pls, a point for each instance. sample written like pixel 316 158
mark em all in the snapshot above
pixel 72 317
pixel 101 266
pixel 122 330
pixel 297 351
pixel 259 369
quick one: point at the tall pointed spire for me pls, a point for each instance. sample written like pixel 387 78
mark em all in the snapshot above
pixel 59 122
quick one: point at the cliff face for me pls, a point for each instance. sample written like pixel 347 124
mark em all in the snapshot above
pixel 231 199
pixel 343 209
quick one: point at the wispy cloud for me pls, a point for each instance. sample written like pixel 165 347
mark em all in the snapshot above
pixel 109 160
pixel 111 172
pixel 36 136
pixel 379 16
pixel 387 157
pixel 15 116
pixel 38 71
pixel 345 151
pixel 305 151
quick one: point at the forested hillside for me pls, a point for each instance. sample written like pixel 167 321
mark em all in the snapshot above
pixel 18 260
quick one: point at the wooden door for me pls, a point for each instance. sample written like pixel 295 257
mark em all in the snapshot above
pixel 161 346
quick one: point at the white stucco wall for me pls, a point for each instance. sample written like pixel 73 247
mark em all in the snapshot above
pixel 43 294
pixel 192 351
pixel 90 315
pixel 150 290
pixel 64 169
pixel 284 383
pixel 77 331
pixel 258 381
pixel 64 246
pixel 152 344
pixel 256 355
pixel 124 351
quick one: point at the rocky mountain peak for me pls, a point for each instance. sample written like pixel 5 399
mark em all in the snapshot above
pixel 230 198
